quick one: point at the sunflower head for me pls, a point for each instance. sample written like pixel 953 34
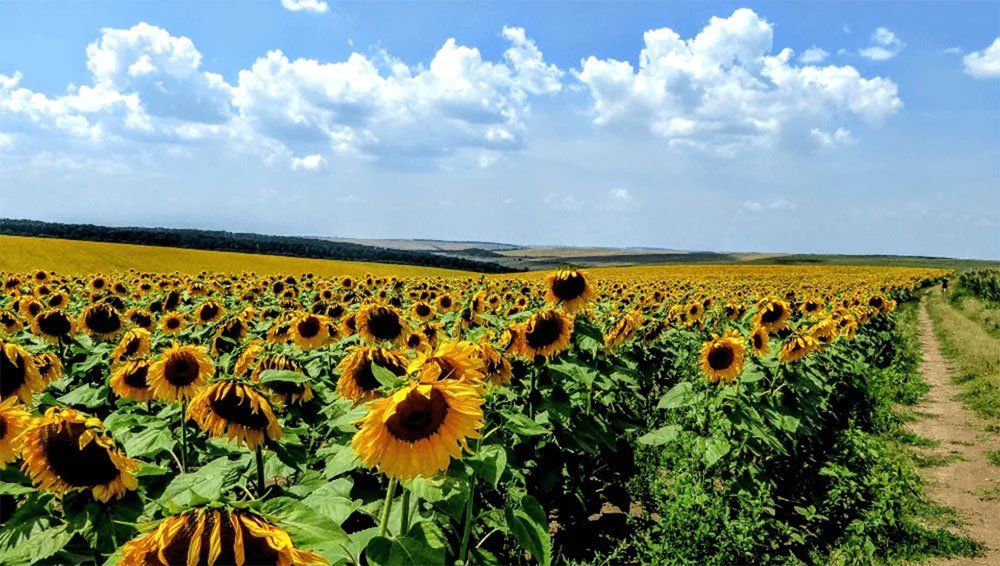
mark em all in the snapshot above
pixel 546 333
pixel 229 335
pixel 496 367
pixel 134 344
pixel 773 315
pixel 172 323
pixel 49 366
pixel 14 420
pixel 9 322
pixel 759 341
pixel 381 323
pixel 357 381
pixel 310 331
pixel 236 411
pixel 722 357
pixel 623 330
pixel 51 325
pixel 283 392
pixel 451 360
pixel 209 311
pixel 67 451
pixel 179 371
pixel 416 431
pixel 100 320
pixel 421 311
pixel 130 381
pixel 570 288
pixel 215 537
pixel 21 377
pixel 797 347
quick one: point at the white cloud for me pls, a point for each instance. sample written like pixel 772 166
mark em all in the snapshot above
pixel 526 59
pixel 722 91
pixel 780 204
pixel 317 6
pixel 813 55
pixel 885 45
pixel 621 194
pixel 6 142
pixel 314 162
pixel 830 140
pixel 953 50
pixel 984 64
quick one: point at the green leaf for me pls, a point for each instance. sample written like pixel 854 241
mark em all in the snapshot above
pixel 489 463
pixel 423 544
pixel 660 436
pixel 85 396
pixel 149 442
pixel 14 489
pixel 309 528
pixel 333 500
pixel 282 375
pixel 715 449
pixel 204 485
pixel 342 460
pixel 39 546
pixel 522 425
pixel 386 377
pixel 530 528
pixel 680 395
pixel 448 492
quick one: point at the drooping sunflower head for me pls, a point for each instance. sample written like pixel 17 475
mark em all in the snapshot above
pixel 357 381
pixel 310 331
pixel 450 360
pixel 229 335
pixel 49 366
pixel 179 371
pixel 51 325
pixel 209 311
pixel 9 322
pixel 172 323
pixel 773 315
pixel 100 320
pixel 759 341
pixel 134 344
pixel 13 421
pixel 30 307
pixel 236 411
pixel 497 368
pixel 247 357
pixel 381 323
pixel 418 430
pixel 66 451
pixel 130 381
pixel 623 330
pixel 215 537
pixel 20 375
pixel 283 392
pixel 56 300
pixel 546 333
pixel 722 357
pixel 824 331
pixel 797 347
pixel 570 288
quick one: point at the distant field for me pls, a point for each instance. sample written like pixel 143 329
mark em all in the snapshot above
pixel 78 257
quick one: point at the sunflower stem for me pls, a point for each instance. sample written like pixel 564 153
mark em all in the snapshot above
pixel 184 437
pixel 260 472
pixel 387 506
pixel 404 522
pixel 467 526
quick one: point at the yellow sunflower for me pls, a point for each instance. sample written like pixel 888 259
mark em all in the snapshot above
pixel 759 341
pixel 209 311
pixel 134 344
pixel 13 421
pixel 215 536
pixel 797 347
pixel 51 325
pixel 130 380
pixel 773 315
pixel 496 367
pixel 247 357
pixel 624 330
pixel 101 321
pixel 172 323
pixel 179 371
pixel 418 430
pixel 381 323
pixel 21 378
pixel 66 451
pixel 546 333
pixel 9 322
pixel 421 311
pixel 229 335
pixel 310 331
pixel 722 357
pixel 569 288
pixel 357 382
pixel 283 392
pixel 49 366
pixel 234 410
pixel 451 360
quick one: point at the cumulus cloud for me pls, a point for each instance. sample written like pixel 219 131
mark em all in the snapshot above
pixel 723 91
pixel 621 194
pixel 317 6
pixel 830 140
pixel 813 55
pixel 984 64
pixel 313 162
pixel 885 45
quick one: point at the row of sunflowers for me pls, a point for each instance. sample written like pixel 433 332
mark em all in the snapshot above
pixel 224 419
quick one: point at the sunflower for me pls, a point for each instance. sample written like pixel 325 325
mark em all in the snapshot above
pixel 624 330
pixel 215 536
pixel 357 382
pixel 234 410
pixel 229 335
pixel 130 381
pixel 30 307
pixel 98 283
pixel 797 347
pixel 247 357
pixel 172 323
pixel 56 300
pixel 209 311
pixel 283 392
pixel 280 330
pixel 445 303
pixel 421 312
pixel 51 325
pixel 100 320
pixel 179 372
pixel 759 341
pixel 546 333
pixel 9 322
pixel 496 367
pixel 722 357
pixel 20 374
pixel 13 421
pixel 824 331
pixel 419 429
pixel 134 344
pixel 49 366
pixel 773 315
pixel 451 360
pixel 310 331
pixel 569 288
pixel 416 341
pixel 381 323
pixel 66 451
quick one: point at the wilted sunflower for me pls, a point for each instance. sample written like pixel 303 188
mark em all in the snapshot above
pixel 418 430
pixel 496 367
pixel 56 300
pixel 215 536
pixel 381 323
pixel 310 331
pixel 759 341
pixel 546 333
pixel 234 410
pixel 284 392
pixel 569 288
pixel 722 357
pixel 9 322
pixel 624 330
pixel 13 421
pixel 30 307
pixel 824 331
pixel 134 344
pixel 209 311
pixel 357 382
pixel 140 318
pixel 51 325
pixel 49 366
pixel 20 374
pixel 100 320
pixel 66 451
pixel 229 335
pixel 451 360
pixel 130 380
pixel 280 331
pixel 172 323
pixel 797 347
pixel 772 315
pixel 179 372
pixel 245 361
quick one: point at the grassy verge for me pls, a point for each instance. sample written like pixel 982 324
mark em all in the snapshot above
pixel 984 313
pixel 975 353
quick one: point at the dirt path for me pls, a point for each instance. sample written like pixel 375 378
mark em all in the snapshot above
pixel 962 438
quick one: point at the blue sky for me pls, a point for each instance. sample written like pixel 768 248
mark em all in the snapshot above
pixel 827 127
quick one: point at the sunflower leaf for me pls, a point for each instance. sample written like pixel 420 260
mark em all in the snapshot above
pixel 489 463
pixel 282 375
pixel 522 425
pixel 308 527
pixel 39 546
pixel 423 544
pixel 715 448
pixel 530 528
pixel 680 395
pixel 660 436
pixel 149 442
pixel 386 377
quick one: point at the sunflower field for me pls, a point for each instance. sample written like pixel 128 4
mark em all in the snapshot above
pixel 708 414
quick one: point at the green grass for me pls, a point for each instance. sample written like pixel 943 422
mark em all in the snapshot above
pixel 912 439
pixel 936 460
pixel 984 313
pixel 987 493
pixel 994 457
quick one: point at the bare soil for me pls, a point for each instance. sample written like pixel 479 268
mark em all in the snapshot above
pixel 963 439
